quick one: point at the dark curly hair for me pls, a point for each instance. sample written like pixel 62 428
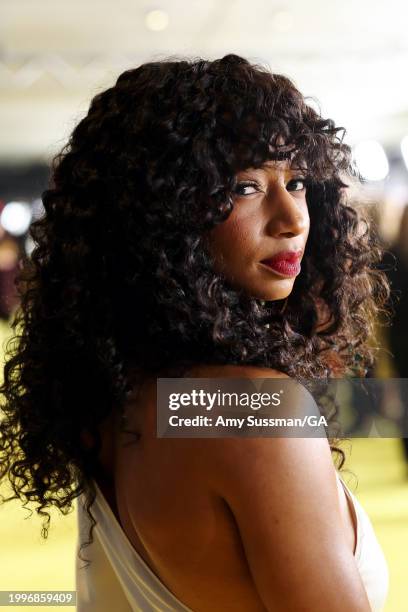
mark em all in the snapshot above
pixel 120 284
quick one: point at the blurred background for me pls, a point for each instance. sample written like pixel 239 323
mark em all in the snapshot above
pixel 350 57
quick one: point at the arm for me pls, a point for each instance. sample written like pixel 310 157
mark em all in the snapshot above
pixel 283 495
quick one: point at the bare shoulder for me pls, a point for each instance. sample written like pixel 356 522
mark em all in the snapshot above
pixel 296 395
pixel 283 495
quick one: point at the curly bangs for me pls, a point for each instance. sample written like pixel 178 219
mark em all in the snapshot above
pixel 120 284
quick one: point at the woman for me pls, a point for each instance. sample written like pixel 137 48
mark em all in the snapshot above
pixel 157 258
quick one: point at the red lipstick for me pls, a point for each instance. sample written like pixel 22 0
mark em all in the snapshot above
pixel 285 262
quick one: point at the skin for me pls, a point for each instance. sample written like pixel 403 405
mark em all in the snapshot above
pixel 244 546
pixel 270 215
pixel 212 517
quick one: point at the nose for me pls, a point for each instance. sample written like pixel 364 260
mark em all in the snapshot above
pixel 287 215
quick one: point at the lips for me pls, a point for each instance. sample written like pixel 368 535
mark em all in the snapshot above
pixel 289 256
pixel 284 262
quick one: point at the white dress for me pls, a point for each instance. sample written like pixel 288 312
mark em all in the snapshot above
pixel 119 579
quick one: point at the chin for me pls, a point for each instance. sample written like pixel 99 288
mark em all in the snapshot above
pixel 274 293
pixel 275 296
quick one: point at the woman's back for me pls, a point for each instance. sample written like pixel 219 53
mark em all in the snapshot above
pixel 178 521
pixel 182 529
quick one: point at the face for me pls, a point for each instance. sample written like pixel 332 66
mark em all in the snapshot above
pixel 270 217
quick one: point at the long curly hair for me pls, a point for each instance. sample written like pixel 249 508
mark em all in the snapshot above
pixel 120 284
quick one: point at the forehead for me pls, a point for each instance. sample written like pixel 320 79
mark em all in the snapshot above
pixel 274 165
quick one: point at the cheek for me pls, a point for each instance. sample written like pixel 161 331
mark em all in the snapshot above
pixel 234 238
pixel 307 223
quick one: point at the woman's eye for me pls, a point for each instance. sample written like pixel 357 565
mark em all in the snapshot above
pixel 296 184
pixel 246 188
